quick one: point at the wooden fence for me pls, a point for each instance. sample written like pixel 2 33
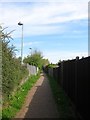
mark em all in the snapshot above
pixel 73 76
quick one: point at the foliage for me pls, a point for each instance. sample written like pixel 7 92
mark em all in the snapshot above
pixel 12 71
pixel 59 62
pixel 45 62
pixel 52 65
pixel 36 59
pixel 16 101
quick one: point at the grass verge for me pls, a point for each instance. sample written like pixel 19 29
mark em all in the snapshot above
pixel 64 105
pixel 16 101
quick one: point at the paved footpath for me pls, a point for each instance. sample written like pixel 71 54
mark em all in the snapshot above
pixel 39 102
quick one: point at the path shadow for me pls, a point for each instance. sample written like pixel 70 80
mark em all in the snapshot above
pixel 42 104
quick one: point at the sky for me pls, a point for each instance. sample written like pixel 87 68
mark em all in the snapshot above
pixel 57 28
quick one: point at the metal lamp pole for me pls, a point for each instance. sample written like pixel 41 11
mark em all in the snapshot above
pixel 21 24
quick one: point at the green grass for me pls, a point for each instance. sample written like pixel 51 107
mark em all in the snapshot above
pixel 63 103
pixel 16 101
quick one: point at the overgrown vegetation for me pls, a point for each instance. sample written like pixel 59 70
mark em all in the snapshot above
pixel 36 59
pixel 52 65
pixel 12 74
pixel 16 101
pixel 12 70
pixel 63 102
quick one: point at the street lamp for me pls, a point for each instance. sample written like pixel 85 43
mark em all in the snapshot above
pixel 21 24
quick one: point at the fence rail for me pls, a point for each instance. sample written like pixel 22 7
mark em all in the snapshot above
pixel 74 76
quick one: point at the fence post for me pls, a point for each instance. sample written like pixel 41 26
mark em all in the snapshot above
pixel 62 74
pixel 76 85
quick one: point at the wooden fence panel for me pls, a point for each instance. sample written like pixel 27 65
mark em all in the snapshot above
pixel 82 87
pixel 74 77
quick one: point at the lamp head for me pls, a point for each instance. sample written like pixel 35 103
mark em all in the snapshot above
pixel 20 23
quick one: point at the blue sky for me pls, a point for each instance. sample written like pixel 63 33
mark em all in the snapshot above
pixel 58 29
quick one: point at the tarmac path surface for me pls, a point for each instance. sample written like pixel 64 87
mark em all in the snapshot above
pixel 39 102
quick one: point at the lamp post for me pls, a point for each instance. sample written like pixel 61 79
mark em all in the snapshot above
pixel 21 24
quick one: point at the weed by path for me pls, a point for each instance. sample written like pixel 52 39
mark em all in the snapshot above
pixel 16 101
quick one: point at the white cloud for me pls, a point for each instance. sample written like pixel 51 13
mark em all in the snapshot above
pixel 27 44
pixel 43 0
pixel 31 43
pixel 41 18
pixel 55 56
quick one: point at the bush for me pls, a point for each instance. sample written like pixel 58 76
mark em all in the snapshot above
pixel 16 101
pixel 12 70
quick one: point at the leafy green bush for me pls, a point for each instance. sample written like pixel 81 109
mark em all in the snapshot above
pixel 16 101
pixel 12 70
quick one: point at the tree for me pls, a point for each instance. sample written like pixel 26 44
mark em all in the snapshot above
pixel 36 59
pixel 45 62
pixel 59 62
